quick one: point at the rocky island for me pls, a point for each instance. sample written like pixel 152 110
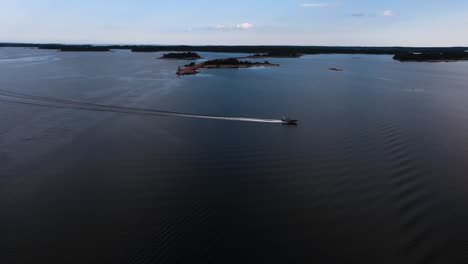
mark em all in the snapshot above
pixel 230 63
pixel 181 56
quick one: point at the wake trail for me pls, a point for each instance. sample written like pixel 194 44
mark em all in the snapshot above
pixel 25 99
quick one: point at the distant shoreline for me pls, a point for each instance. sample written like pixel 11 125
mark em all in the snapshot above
pixel 439 54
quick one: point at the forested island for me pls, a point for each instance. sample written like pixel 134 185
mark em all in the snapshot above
pixel 181 56
pixel 229 63
pixel 400 53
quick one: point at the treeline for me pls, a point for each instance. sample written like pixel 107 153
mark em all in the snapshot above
pixel 291 54
pixel 431 56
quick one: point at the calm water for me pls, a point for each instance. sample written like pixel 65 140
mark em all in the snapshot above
pixel 376 172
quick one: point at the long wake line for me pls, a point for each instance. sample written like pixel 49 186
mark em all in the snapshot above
pixel 25 99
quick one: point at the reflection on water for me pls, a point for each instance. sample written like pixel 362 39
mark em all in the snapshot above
pixel 375 173
pixel 26 61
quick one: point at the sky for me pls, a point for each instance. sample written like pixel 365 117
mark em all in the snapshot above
pixel 239 22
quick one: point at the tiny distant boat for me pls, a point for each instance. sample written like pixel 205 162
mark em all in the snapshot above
pixel 289 121
pixel 335 69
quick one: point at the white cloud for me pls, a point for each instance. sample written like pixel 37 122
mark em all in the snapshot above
pixel 315 5
pixel 245 26
pixel 388 13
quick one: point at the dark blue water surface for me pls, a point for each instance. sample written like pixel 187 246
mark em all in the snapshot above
pixel 376 171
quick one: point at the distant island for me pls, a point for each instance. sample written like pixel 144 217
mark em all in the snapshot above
pixel 71 48
pixel 400 53
pixel 84 49
pixel 181 56
pixel 234 63
pixel 432 56
pixel 229 63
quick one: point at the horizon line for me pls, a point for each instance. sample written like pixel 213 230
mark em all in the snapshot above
pixel 224 45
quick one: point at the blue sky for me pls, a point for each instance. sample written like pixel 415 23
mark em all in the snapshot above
pixel 247 22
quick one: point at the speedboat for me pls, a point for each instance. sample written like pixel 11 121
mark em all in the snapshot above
pixel 289 121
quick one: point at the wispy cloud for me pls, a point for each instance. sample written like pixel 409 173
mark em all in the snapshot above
pixel 388 13
pixel 245 26
pixel 315 5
